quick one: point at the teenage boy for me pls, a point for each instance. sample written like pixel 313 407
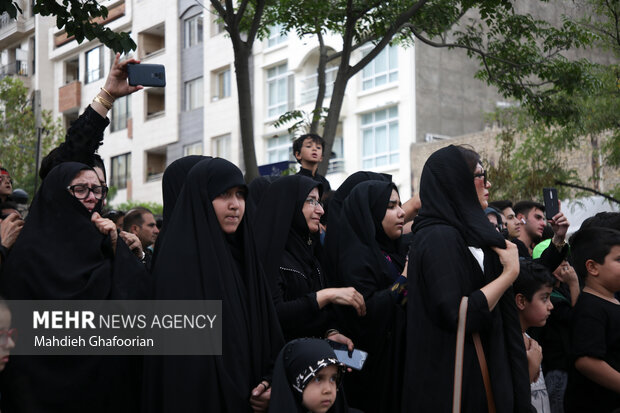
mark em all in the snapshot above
pixel 533 299
pixel 308 150
pixel 594 382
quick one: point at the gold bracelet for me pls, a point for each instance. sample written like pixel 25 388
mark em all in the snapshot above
pixel 102 102
pixel 108 93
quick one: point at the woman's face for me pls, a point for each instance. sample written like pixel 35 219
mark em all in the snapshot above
pixel 394 218
pixel 313 210
pixel 6 341
pixel 88 178
pixel 482 186
pixel 229 209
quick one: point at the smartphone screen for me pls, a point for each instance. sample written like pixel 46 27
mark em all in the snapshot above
pixel 354 359
pixel 552 207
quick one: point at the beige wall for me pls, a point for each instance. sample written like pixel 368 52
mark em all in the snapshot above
pixel 484 144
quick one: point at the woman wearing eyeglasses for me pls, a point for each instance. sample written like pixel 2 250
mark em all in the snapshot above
pixel 287 230
pixel 66 251
pixel 456 252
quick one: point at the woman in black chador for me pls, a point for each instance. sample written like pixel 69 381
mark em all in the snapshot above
pixel 287 229
pixel 209 254
pixel 66 251
pixel 452 255
pixel 369 233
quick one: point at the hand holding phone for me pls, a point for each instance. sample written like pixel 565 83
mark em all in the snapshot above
pixel 354 359
pixel 146 74
pixel 552 206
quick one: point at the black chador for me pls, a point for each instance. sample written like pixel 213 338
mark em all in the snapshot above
pixel 61 255
pixel 198 261
pixel 371 263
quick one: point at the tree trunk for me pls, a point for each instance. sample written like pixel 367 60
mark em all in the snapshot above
pixel 246 111
pixel 321 82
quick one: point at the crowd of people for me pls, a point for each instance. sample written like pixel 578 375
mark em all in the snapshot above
pixel 297 266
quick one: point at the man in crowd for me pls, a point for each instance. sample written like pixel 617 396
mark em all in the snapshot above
pixel 512 223
pixel 6 185
pixel 141 222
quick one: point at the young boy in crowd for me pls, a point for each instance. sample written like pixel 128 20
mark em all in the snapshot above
pixel 532 291
pixel 594 382
pixel 308 150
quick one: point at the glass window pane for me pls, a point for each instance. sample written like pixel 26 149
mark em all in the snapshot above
pixel 380 115
pixel 393 136
pixel 393 51
pixel 381 160
pixel 380 62
pixel 381 141
pixel 366 118
pixel 367 143
pixel 394 159
pixel 367 164
pixel 380 80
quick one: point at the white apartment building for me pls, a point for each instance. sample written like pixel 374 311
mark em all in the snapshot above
pixel 196 113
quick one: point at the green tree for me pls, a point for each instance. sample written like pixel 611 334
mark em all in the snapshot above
pixel 591 123
pixel 518 54
pixel 77 17
pixel 18 135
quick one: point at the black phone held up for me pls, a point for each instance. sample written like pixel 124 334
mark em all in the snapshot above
pixel 146 74
pixel 552 206
pixel 354 359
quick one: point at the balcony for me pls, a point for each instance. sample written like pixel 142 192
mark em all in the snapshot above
pixel 14 30
pixel 310 87
pixel 70 96
pixel 17 68
pixel 335 165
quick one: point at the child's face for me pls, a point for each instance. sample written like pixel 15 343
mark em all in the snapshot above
pixel 6 342
pixel 320 394
pixel 609 271
pixel 535 313
pixel 310 151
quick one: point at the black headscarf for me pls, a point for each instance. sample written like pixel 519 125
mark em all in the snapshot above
pixel 297 364
pixel 362 240
pixel 449 197
pixel 171 184
pixel 198 261
pixel 60 255
pixel 280 224
pixel 256 191
pixel 335 209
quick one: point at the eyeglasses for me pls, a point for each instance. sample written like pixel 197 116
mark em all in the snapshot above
pixel 5 177
pixel 6 334
pixel 314 202
pixel 81 191
pixel 483 174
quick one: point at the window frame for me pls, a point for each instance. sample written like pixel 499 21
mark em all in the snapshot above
pixel 390 73
pixel 116 180
pixel 190 103
pixel 89 77
pixel 193 28
pixel 390 122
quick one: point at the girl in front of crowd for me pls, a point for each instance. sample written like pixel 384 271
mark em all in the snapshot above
pixel 307 378
pixel 66 251
pixel 209 253
pixel 370 261
pixel 287 230
pixel 457 252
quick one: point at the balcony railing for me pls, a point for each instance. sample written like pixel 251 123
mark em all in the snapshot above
pixel 310 87
pixel 5 21
pixel 14 68
pixel 335 165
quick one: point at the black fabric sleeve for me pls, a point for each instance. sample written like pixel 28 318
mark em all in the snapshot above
pixel 551 257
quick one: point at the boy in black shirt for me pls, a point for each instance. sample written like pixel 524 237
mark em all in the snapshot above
pixel 308 150
pixel 594 382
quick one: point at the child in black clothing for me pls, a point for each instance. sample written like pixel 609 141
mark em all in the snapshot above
pixel 594 382
pixel 308 150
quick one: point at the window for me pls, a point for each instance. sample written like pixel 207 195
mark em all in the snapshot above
pixel 121 170
pixel 155 102
pixel 193 31
pixel 155 163
pixel 221 146
pixel 279 149
pixel 221 84
pixel 121 112
pixel 217 25
pixel 310 85
pixel 277 89
pixel 192 149
pixel 380 138
pixel 72 70
pixel 382 69
pixel 275 36
pixel 94 64
pixel 151 41
pixel 336 161
pixel 194 96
